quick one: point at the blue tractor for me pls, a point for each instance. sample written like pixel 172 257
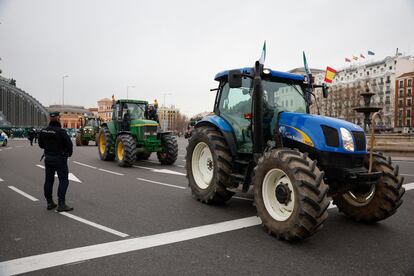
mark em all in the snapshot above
pixel 261 134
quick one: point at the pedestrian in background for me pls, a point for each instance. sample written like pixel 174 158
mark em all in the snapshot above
pixel 57 148
pixel 31 136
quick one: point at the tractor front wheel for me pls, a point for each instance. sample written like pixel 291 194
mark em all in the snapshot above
pixel 78 139
pixel 170 150
pixel 125 150
pixel 208 164
pixel 375 202
pixel 106 144
pixel 290 195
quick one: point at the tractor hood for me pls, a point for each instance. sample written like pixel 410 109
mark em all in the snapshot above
pixel 142 122
pixel 322 133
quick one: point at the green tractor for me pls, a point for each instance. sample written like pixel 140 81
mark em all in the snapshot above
pixel 89 130
pixel 133 134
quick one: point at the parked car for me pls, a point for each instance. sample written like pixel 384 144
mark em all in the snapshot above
pixel 4 139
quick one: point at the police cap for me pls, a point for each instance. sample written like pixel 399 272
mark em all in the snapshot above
pixel 54 114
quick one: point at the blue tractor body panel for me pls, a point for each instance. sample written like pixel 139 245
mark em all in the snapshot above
pixel 217 121
pixel 290 122
pixel 273 73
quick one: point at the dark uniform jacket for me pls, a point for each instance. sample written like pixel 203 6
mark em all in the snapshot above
pixel 55 141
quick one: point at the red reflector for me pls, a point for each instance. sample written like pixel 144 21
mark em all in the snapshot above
pixel 248 116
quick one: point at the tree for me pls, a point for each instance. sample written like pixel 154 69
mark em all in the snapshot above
pixel 181 122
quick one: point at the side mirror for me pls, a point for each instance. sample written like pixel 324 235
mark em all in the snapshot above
pixel 235 79
pixel 325 91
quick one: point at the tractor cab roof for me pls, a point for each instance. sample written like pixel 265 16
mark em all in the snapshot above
pixel 131 101
pixel 249 71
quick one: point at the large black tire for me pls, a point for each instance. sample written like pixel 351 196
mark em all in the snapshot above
pixel 78 139
pixel 143 155
pixel 379 201
pixel 300 208
pixel 5 143
pixel 169 155
pixel 106 145
pixel 214 191
pixel 125 150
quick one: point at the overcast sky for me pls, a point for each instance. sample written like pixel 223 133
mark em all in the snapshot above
pixel 178 46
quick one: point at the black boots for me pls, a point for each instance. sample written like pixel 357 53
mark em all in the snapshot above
pixel 62 207
pixel 51 204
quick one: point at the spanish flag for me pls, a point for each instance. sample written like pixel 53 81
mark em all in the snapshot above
pixel 330 74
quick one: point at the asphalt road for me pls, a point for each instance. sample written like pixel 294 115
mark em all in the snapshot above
pixel 143 220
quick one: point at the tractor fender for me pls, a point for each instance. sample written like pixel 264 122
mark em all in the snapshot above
pixel 224 127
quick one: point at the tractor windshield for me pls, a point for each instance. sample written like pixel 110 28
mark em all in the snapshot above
pixel 284 96
pixel 135 111
pixel 91 122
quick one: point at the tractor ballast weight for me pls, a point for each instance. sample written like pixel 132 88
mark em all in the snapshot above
pixel 261 134
pixel 132 135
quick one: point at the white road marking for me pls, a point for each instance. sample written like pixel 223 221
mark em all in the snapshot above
pixel 71 176
pixel 1 180
pixel 160 170
pixel 160 183
pixel 93 224
pixel 52 259
pixel 85 165
pixel 23 194
pixel 110 172
pixel 181 166
pixel 181 155
pixel 8 148
pixel 409 186
pixel 403 174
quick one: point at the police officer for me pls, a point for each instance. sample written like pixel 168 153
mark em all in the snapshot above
pixel 57 148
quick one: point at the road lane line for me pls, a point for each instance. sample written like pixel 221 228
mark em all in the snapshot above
pixel 23 194
pixel 47 260
pixel 141 167
pixel 409 186
pixel 181 166
pixel 110 172
pixel 93 224
pixel 403 174
pixel 71 176
pixel 160 183
pixel 1 180
pixel 243 198
pixel 82 164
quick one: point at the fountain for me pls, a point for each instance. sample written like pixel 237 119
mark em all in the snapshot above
pixel 367 109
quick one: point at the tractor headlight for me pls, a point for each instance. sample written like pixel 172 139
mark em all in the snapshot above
pixel 347 140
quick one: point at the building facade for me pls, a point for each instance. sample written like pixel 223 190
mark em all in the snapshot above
pixel 167 117
pixel 18 108
pixel 404 105
pixel 105 109
pixel 377 77
pixel 69 114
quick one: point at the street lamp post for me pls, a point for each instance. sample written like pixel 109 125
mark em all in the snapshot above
pixel 63 88
pixel 129 86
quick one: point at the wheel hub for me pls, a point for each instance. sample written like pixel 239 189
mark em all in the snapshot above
pixel 210 164
pixel 283 193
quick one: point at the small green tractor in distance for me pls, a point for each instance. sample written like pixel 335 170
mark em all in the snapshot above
pixel 88 131
pixel 131 136
pixel 261 134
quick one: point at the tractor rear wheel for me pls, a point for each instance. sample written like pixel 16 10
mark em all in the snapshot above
pixel 106 145
pixel 290 195
pixel 376 202
pixel 143 155
pixel 170 150
pixel 208 164
pixel 125 150
pixel 78 139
